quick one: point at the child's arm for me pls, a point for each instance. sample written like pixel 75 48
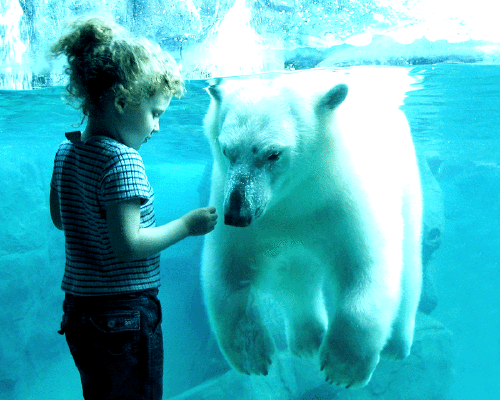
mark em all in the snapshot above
pixel 130 242
pixel 55 211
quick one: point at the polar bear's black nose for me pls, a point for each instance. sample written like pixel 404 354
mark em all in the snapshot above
pixel 236 220
pixel 236 213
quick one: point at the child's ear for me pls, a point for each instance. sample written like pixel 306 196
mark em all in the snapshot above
pixel 120 104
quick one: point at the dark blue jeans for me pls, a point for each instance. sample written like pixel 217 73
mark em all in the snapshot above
pixel 117 344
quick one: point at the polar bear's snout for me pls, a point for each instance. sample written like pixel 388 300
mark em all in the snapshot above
pixel 245 196
pixel 237 211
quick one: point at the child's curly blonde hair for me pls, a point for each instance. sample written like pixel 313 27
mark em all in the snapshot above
pixel 106 61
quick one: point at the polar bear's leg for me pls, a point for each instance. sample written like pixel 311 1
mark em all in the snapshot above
pixel 398 346
pixel 235 318
pixel 242 338
pixel 368 299
pixel 351 348
pixel 307 320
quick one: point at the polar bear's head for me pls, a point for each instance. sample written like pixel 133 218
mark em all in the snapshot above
pixel 259 131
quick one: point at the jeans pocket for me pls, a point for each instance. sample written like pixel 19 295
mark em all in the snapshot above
pixel 115 336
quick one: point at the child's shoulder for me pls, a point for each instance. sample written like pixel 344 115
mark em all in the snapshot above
pixel 100 150
pixel 106 145
pixel 113 151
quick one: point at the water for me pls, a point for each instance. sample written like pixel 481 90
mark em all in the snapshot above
pixel 456 113
pixel 454 117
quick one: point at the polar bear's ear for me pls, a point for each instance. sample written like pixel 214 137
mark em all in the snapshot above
pixel 214 90
pixel 333 98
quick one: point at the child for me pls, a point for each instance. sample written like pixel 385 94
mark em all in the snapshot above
pixel 101 198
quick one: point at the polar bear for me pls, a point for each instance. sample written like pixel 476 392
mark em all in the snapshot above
pixel 318 182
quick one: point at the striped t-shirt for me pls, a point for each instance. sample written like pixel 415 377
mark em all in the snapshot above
pixel 87 177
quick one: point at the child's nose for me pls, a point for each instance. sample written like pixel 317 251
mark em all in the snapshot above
pixel 157 127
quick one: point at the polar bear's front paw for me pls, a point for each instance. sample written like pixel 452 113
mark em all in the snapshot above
pixel 349 355
pixel 397 348
pixel 251 348
pixel 306 338
pixel 345 368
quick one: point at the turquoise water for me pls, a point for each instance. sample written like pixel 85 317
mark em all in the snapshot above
pixel 457 113
pixel 455 118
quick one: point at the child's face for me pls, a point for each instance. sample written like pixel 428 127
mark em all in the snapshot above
pixel 137 122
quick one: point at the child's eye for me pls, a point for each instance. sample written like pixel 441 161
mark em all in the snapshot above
pixel 157 113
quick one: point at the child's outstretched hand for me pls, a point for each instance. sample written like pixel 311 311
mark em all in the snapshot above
pixel 200 221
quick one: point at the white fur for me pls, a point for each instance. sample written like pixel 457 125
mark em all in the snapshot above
pixel 335 222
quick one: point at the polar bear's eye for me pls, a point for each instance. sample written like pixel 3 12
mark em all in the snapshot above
pixel 274 156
